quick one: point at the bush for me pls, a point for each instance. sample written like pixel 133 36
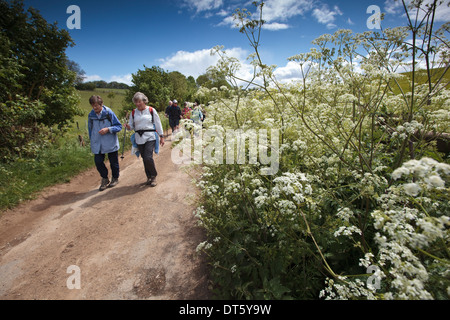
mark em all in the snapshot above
pixel 20 133
pixel 360 206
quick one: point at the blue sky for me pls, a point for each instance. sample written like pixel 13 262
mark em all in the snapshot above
pixel 117 38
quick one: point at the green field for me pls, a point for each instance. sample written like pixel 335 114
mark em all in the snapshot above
pixel 116 103
pixel 421 77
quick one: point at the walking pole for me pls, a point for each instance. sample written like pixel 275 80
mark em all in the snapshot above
pixel 124 137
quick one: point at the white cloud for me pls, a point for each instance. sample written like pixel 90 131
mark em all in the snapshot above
pixel 288 73
pixel 228 21
pixel 396 8
pixel 93 77
pixel 326 16
pixel 282 10
pixel 127 79
pixel 204 5
pixel 392 7
pixel 275 12
pixel 195 63
pixel 223 13
pixel 275 26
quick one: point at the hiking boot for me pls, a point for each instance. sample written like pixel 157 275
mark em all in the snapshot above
pixel 114 182
pixel 151 182
pixel 105 182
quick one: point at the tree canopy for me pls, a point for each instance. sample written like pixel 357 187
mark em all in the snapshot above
pixel 160 86
pixel 35 80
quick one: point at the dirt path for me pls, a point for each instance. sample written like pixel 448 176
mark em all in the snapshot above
pixel 129 242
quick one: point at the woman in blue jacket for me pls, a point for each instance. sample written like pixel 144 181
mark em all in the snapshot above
pixel 103 128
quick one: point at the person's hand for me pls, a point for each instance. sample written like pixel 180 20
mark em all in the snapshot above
pixel 104 131
pixel 161 141
pixel 127 126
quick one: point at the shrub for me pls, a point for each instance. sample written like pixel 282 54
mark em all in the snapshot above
pixel 359 208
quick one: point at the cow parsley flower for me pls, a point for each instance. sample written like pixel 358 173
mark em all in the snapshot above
pixel 412 189
pixel 435 181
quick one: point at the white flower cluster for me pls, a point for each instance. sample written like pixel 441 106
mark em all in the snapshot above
pixel 408 273
pixel 346 214
pixel 440 120
pixel 408 128
pixel 369 183
pixel 292 184
pixel 404 228
pixel 344 289
pixel 299 145
pixel 422 174
pixel 205 245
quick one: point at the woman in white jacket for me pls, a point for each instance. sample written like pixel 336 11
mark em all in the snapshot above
pixel 146 123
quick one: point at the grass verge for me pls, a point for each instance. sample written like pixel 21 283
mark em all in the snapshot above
pixel 22 179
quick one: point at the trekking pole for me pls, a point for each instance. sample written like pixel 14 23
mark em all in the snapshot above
pixel 124 136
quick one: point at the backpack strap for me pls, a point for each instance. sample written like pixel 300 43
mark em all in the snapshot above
pixel 108 117
pixel 151 112
pixel 141 132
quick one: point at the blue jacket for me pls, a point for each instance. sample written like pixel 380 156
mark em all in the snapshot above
pixel 135 146
pixel 109 142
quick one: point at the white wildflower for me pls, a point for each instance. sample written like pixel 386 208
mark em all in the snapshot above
pixel 398 173
pixel 435 181
pixel 345 214
pixel 444 168
pixel 411 189
pixel 347 231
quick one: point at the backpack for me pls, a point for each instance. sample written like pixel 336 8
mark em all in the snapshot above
pixel 151 112
pixel 141 132
pixel 108 117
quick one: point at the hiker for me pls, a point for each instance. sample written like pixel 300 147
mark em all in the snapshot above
pixel 174 114
pixel 103 127
pixel 197 115
pixel 148 129
pixel 186 112
pixel 166 113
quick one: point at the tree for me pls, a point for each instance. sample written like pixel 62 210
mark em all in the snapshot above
pixel 212 79
pixel 111 97
pixel 179 85
pixel 36 66
pixel 87 86
pixel 192 88
pixel 75 67
pixel 155 83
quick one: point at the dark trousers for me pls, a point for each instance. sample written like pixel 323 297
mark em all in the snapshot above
pixel 113 161
pixel 146 151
